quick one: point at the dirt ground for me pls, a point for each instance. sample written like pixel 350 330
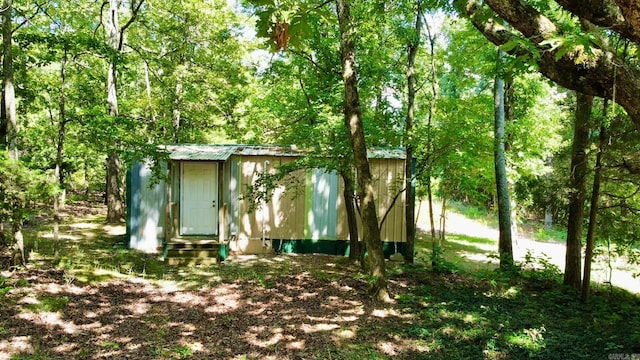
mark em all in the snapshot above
pixel 298 311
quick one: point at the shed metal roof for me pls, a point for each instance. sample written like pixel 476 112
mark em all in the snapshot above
pixel 224 152
pixel 200 152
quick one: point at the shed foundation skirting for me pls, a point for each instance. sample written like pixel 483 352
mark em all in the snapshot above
pixel 330 247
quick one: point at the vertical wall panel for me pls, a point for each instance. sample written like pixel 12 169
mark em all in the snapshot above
pixel 148 210
pixel 321 208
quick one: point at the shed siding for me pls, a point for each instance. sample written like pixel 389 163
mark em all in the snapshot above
pixel 389 181
pixel 233 168
pixel 147 211
pixel 321 205
pixel 280 218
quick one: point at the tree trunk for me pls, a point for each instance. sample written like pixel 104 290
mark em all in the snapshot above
pixel 3 122
pixel 508 138
pixel 354 241
pixel 59 197
pixel 87 188
pixel 572 273
pixel 432 223
pixel 8 86
pixel 593 215
pixel 147 82
pixel 353 122
pixel 18 238
pixel 505 247
pixel 177 105
pixel 430 146
pixel 115 208
pixel 414 45
pixel 443 218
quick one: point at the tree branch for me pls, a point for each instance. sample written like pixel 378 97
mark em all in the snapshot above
pixel 595 73
pixel 604 13
pixel 393 202
pixel 134 13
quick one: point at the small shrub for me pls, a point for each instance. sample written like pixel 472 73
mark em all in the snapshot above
pixel 4 288
pixel 441 265
pixel 540 268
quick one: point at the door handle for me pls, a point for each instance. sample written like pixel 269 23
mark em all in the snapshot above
pixel 213 203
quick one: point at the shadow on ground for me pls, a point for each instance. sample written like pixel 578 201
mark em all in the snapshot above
pixel 105 301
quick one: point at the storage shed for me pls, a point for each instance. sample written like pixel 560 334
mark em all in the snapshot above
pixel 201 211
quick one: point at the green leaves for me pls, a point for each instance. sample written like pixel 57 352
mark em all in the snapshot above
pixel 21 188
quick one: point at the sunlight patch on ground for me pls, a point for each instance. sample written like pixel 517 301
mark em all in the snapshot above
pixel 49 319
pixel 381 313
pixel 481 258
pixel 346 334
pixel 66 236
pixel 309 328
pixel 387 348
pixel 115 230
pixel 138 307
pixel 296 345
pixel 16 345
pixel 65 348
pixel 85 226
pixel 252 337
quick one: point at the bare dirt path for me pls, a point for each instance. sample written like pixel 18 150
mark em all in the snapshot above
pixel 621 271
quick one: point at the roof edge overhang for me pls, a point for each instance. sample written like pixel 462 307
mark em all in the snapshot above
pixel 205 152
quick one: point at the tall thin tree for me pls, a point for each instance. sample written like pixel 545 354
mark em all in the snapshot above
pixel 572 270
pixel 9 99
pixel 593 211
pixel 505 246
pixel 414 45
pixel 115 34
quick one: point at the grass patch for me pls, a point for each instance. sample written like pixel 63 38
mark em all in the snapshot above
pixel 49 303
pixel 471 212
pixel 548 235
pixel 508 317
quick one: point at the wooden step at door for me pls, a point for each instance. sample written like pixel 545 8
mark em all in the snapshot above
pixel 192 251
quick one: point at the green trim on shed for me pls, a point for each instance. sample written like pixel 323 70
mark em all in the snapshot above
pixel 330 247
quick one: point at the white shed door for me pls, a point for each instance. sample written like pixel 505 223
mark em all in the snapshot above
pixel 199 199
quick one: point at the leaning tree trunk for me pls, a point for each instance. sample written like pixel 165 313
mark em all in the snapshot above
pixel 505 247
pixel 353 122
pixel 414 44
pixel 572 273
